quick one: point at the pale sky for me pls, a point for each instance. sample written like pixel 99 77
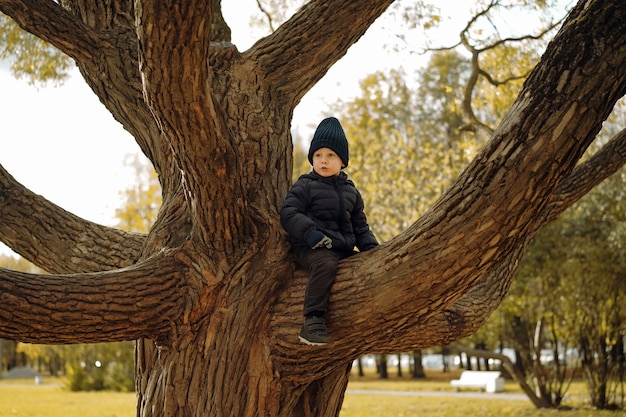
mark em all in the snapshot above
pixel 63 144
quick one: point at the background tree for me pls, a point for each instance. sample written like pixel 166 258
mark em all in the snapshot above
pixel 501 55
pixel 383 156
pixel 141 203
pixel 210 293
pixel 101 366
pixel 567 301
pixel 593 273
pixel 406 146
pixel 534 323
pixel 31 57
pixel 418 369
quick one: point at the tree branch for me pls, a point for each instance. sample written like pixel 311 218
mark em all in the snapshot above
pixel 444 323
pixel 49 21
pixel 473 237
pixel 463 317
pixel 606 162
pixel 473 122
pixel 174 40
pixel 538 36
pixel 300 52
pixel 96 47
pixel 177 84
pixel 57 240
pixel 267 14
pixel 143 301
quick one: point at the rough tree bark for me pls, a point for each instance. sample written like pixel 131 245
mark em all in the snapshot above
pixel 211 293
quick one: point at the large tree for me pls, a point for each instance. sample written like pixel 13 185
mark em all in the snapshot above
pixel 210 293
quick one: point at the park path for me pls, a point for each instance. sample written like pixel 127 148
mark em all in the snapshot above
pixel 462 394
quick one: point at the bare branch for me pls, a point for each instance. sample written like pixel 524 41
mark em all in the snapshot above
pixel 496 83
pixel 473 122
pixel 267 15
pixel 539 36
pixel 466 103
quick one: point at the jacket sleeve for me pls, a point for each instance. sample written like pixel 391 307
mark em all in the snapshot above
pixel 293 216
pixel 365 239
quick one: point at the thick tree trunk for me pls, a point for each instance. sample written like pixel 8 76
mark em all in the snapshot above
pixel 233 379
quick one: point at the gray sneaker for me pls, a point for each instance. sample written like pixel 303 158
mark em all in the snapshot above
pixel 313 332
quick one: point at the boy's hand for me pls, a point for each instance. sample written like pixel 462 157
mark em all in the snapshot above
pixel 318 239
pixel 326 241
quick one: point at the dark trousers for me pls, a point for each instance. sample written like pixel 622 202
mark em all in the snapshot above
pixel 322 266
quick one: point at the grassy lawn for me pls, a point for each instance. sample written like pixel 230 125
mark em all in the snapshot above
pixel 374 406
pixel 359 404
pixel 51 399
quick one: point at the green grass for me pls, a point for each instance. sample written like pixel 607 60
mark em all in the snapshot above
pixel 388 406
pixel 51 400
pixel 25 399
pixel 375 405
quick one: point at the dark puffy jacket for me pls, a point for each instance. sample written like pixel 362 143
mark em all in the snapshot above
pixel 331 205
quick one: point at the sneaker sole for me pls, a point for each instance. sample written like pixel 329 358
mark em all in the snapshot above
pixel 308 342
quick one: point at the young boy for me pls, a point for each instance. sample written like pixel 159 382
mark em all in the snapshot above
pixel 323 215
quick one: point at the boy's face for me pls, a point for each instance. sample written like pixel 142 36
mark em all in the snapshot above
pixel 326 162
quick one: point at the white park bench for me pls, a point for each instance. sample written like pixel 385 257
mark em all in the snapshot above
pixel 489 381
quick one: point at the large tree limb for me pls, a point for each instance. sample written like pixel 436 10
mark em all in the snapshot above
pixel 65 243
pixel 147 300
pixel 470 238
pixel 49 21
pixel 485 297
pixel 174 41
pixel 439 321
pixel 607 161
pixel 178 85
pixel 311 41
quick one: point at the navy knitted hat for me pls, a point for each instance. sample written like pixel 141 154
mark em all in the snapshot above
pixel 329 134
